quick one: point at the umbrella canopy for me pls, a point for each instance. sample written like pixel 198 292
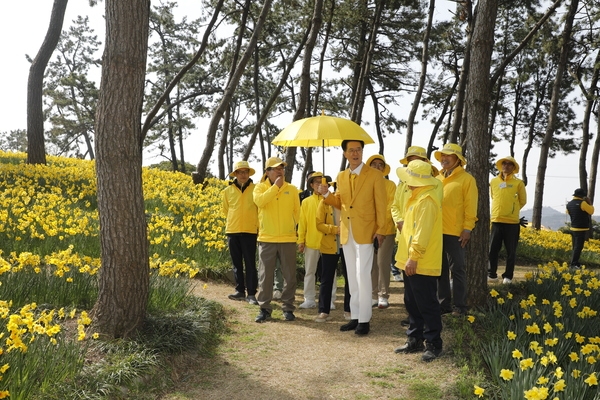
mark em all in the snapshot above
pixel 321 131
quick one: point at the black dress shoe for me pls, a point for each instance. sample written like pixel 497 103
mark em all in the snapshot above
pixel 263 315
pixel 349 326
pixel 289 316
pixel 362 328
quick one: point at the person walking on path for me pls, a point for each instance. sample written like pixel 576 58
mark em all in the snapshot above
pixel 309 240
pixel 242 230
pixel 330 255
pixel 508 196
pixel 580 210
pixel 459 215
pixel 380 273
pixel 361 197
pixel 422 237
pixel 278 211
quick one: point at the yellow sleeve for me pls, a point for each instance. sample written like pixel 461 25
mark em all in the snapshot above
pixel 322 224
pixel 302 224
pixel 399 203
pixel 425 214
pixel 522 194
pixel 470 196
pixel 225 203
pixel 588 208
pixel 263 195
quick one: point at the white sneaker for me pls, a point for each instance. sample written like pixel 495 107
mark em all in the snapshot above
pixel 323 318
pixel 398 278
pixel 347 316
pixel 506 281
pixel 277 295
pixel 374 302
pixel 332 306
pixel 308 304
pixel 490 279
pixel 383 303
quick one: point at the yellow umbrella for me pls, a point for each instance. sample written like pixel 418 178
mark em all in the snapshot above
pixel 324 131
pixel 321 131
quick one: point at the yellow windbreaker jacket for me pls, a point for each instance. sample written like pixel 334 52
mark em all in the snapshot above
pixel 390 226
pixel 326 225
pixel 278 212
pixel 308 234
pixel 421 238
pixel 508 197
pixel 460 202
pixel 239 209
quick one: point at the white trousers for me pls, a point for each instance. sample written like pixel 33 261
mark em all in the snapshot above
pixel 359 260
pixel 311 260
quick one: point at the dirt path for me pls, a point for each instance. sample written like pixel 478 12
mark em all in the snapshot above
pixel 304 359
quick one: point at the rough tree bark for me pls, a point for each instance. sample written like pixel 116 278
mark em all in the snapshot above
pixel 551 127
pixel 36 150
pixel 478 136
pixel 124 276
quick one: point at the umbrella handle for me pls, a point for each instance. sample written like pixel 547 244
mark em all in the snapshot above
pixel 323 181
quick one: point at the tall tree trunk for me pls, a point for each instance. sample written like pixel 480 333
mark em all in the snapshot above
pixel 551 127
pixel 594 165
pixel 440 120
pixel 36 150
pixel 124 276
pixel 317 21
pixel 200 173
pixel 478 135
pixel 590 102
pixel 464 75
pixel 424 62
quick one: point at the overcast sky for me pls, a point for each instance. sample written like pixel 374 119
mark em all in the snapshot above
pixel 23 25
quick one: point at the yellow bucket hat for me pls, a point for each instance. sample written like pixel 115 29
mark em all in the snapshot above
pixel 386 169
pixel 242 165
pixel 451 148
pixel 507 158
pixel 417 173
pixel 274 162
pixel 415 151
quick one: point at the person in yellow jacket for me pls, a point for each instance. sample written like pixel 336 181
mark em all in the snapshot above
pixel 242 230
pixel 380 273
pixel 326 217
pixel 421 261
pixel 278 211
pixel 459 211
pixel 309 239
pixel 402 193
pixel 361 197
pixel 508 196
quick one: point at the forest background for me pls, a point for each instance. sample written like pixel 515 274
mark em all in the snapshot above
pixel 25 24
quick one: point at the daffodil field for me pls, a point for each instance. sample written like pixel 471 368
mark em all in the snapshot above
pixel 540 339
pixel 543 245
pixel 49 258
pixel 543 340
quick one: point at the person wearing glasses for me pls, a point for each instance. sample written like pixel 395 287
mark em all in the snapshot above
pixel 242 230
pixel 362 199
pixel 278 213
pixel 508 196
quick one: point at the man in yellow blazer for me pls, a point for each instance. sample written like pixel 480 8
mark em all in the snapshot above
pixel 362 199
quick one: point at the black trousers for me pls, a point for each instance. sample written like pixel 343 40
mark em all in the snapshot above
pixel 423 307
pixel 578 239
pixel 509 235
pixel 329 264
pixel 242 248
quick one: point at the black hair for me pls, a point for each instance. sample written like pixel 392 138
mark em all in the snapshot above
pixel 345 143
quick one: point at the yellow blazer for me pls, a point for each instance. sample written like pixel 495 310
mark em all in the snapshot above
pixel 367 211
